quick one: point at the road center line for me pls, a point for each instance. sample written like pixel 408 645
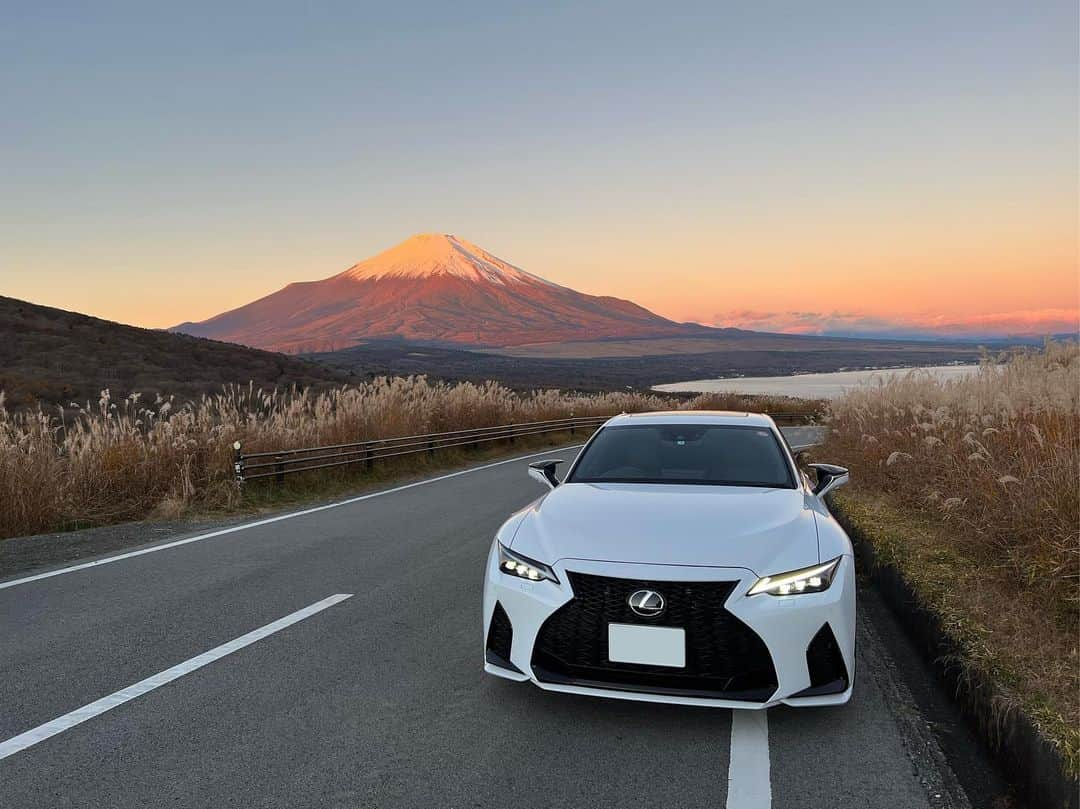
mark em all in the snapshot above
pixel 748 766
pixel 233 529
pixel 98 707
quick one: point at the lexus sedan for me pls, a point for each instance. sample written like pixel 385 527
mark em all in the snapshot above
pixel 685 558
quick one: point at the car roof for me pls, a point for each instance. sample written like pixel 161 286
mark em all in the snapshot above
pixel 725 417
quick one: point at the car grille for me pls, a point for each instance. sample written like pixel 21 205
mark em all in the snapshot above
pixel 725 659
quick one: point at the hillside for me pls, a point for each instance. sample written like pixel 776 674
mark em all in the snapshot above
pixel 642 366
pixel 59 357
pixel 436 288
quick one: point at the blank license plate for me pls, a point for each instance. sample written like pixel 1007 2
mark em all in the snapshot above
pixel 650 645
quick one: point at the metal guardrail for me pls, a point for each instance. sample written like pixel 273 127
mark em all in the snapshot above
pixel 279 463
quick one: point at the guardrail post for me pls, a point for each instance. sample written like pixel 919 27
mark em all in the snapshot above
pixel 238 463
pixel 431 449
pixel 510 435
pixel 279 469
pixel 369 458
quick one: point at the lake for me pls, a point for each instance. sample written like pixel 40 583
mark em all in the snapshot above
pixel 808 386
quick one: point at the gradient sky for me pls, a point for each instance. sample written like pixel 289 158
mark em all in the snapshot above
pixel 839 166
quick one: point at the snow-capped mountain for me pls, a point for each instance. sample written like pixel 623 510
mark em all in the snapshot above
pixel 431 287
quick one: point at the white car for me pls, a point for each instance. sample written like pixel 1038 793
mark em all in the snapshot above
pixel 684 559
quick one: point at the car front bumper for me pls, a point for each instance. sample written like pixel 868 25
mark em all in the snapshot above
pixel 788 626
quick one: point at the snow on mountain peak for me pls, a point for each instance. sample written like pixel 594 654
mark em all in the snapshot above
pixel 433 254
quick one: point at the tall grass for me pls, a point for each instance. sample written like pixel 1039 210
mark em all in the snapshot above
pixel 996 456
pixel 127 459
pixel 971 488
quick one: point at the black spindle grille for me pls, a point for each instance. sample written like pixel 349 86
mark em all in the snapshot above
pixel 725 659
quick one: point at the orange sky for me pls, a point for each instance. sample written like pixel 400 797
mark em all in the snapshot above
pixel 834 167
pixel 1021 282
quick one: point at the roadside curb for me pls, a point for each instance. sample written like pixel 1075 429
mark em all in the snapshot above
pixel 1030 761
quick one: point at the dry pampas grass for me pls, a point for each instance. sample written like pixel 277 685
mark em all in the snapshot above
pixel 120 460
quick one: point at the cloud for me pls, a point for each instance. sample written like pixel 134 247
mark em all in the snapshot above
pixel 1025 322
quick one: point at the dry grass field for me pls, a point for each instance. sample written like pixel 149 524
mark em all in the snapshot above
pixel 130 459
pixel 972 489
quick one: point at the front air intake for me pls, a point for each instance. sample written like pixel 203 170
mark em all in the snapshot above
pixel 828 674
pixel 500 639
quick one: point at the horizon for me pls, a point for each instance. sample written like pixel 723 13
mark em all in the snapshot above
pixel 893 172
pixel 424 254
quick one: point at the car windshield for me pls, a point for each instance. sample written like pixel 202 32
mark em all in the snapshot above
pixel 716 454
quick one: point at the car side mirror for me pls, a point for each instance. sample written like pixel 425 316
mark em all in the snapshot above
pixel 544 471
pixel 829 477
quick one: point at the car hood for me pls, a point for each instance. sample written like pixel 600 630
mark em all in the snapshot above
pixel 764 530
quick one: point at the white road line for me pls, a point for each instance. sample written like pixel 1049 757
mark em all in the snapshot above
pixel 233 529
pixel 80 715
pixel 748 767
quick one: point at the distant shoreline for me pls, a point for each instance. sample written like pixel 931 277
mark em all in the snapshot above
pixel 810 385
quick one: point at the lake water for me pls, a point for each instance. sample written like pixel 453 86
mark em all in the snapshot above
pixel 808 386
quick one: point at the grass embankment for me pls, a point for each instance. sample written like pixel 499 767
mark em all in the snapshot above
pixel 128 460
pixel 971 489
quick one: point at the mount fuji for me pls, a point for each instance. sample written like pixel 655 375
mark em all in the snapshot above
pixel 436 288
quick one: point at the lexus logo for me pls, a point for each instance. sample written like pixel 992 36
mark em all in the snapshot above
pixel 646 603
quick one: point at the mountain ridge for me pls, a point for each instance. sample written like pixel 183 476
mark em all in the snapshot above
pixel 432 287
pixel 54 357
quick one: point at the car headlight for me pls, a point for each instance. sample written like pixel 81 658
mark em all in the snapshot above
pixel 796 582
pixel 514 564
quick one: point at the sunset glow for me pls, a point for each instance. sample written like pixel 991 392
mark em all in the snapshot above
pixel 900 171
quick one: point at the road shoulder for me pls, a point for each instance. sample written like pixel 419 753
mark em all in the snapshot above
pixel 43 552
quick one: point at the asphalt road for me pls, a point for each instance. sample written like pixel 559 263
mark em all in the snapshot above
pixel 378 699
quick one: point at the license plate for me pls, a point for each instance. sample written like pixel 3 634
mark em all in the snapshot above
pixel 649 645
